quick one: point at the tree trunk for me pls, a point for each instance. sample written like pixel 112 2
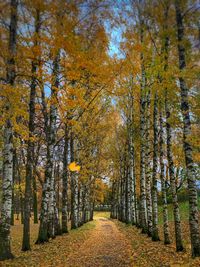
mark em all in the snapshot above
pixel 84 205
pixel 128 193
pixel 12 222
pixel 131 158
pixel 35 201
pixel 5 248
pixel 74 189
pixel 30 149
pixel 43 233
pixel 51 147
pixel 191 179
pixel 177 222
pixel 143 211
pixel 17 182
pixel 148 168
pixel 163 185
pixel 155 235
pixel 47 215
pixel 58 230
pixel 65 184
pixel 123 192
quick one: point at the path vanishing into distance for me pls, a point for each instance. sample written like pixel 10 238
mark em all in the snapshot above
pixel 103 242
pixel 98 243
pixel 106 247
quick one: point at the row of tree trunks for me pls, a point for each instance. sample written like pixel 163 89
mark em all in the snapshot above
pixel 148 202
pixel 47 216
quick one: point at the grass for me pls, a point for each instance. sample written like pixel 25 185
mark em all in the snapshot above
pixel 184 211
pixel 85 227
pixel 105 214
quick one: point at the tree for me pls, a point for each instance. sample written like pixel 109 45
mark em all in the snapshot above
pixel 5 247
pixel 192 190
pixel 30 148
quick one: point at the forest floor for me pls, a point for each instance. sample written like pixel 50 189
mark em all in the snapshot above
pixel 146 253
pixel 96 244
pixel 106 247
pixel 53 253
pixel 101 243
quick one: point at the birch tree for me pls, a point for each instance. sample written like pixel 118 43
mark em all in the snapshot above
pixel 192 190
pixel 5 246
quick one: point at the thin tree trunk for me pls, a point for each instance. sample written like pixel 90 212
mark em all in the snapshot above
pixel 84 205
pixel 35 201
pixel 163 185
pixel 6 209
pixel 43 233
pixel 131 158
pixel 124 192
pixel 17 182
pixel 148 167
pixel 58 230
pixel 155 234
pixel 121 189
pixel 12 222
pixel 80 205
pixel 177 222
pixel 128 193
pixel 143 211
pixel 51 146
pixel 192 188
pixel 65 184
pixel 30 150
pixel 74 189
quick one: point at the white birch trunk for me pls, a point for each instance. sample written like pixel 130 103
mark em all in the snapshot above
pixel 7 183
pixel 191 177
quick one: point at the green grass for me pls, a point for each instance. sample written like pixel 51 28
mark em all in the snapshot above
pixel 87 226
pixel 184 211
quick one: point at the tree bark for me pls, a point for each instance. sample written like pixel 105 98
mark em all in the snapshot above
pixel 155 234
pixel 47 215
pixel 148 167
pixel 51 147
pixel 65 184
pixel 143 211
pixel 58 230
pixel 5 248
pixel 74 188
pixel 191 179
pixel 30 150
pixel 35 201
pixel 177 222
pixel 131 156
pixel 163 185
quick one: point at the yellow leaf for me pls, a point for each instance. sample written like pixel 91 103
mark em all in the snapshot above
pixel 73 167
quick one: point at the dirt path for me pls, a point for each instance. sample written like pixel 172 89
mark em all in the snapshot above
pixel 106 247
